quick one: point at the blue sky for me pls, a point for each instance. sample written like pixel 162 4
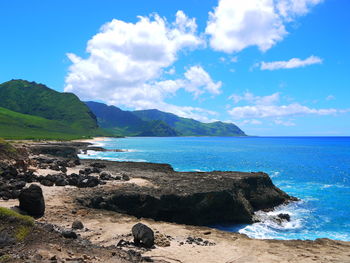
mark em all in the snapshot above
pixel 274 67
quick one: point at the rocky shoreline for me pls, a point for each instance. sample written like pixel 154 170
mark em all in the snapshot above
pixel 111 197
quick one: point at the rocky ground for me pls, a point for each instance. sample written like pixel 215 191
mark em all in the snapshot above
pixel 73 189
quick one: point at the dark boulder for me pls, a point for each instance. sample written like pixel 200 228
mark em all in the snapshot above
pixel 77 225
pixel 96 170
pixel 19 185
pixel 143 235
pixel 105 176
pixel 88 181
pixel 285 217
pixel 46 182
pixel 73 179
pixel 63 169
pixel 31 200
pixel 61 181
pixel 98 165
pixel 69 234
pixel 125 177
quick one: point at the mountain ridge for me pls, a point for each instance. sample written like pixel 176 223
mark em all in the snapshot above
pixel 171 124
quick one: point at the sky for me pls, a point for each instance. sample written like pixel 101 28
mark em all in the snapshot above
pixel 273 67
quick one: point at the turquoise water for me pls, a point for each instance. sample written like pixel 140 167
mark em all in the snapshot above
pixel 314 169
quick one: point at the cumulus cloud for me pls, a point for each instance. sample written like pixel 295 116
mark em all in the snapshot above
pixel 197 81
pixel 292 63
pixel 126 62
pixel 235 25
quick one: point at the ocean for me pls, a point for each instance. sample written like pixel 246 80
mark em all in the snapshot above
pixel 314 169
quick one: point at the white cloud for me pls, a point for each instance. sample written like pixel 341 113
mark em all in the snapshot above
pixel 235 25
pixel 269 107
pixel 198 81
pixel 266 111
pixel 292 63
pixel 259 100
pixel 127 60
pixel 291 8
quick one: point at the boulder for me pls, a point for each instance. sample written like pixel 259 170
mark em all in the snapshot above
pixel 284 217
pixel 88 181
pixel 98 165
pixel 125 177
pixel 143 235
pixel 77 225
pixel 61 181
pixel 69 234
pixel 31 200
pixel 105 176
pixel 46 182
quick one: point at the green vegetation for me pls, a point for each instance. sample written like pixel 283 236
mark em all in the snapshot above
pixel 19 225
pixel 6 214
pixel 29 110
pixel 190 127
pixel 7 150
pixel 156 123
pixel 14 125
pixel 33 111
pixel 22 232
pixel 125 123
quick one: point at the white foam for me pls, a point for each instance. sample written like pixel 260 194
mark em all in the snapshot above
pixel 270 228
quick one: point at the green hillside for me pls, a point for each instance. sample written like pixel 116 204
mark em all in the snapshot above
pixel 156 123
pixel 33 111
pixel 14 125
pixel 38 100
pixel 190 127
pixel 125 123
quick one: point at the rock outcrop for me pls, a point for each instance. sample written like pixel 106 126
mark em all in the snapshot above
pixel 186 197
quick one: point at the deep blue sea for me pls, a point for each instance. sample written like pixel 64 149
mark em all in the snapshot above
pixel 314 169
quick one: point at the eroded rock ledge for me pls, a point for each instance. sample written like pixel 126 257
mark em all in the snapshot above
pixel 200 198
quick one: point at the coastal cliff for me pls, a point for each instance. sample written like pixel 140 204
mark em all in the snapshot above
pixel 201 198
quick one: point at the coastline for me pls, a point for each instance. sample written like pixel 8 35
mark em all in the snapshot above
pixel 108 228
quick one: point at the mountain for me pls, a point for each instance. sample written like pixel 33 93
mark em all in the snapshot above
pixel 190 127
pixel 125 123
pixel 156 123
pixel 31 110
